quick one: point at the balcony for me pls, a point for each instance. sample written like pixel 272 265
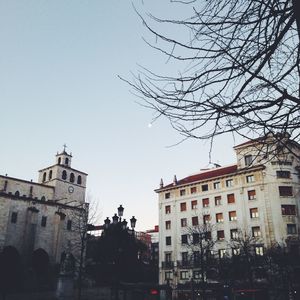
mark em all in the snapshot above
pixel 184 264
pixel 167 265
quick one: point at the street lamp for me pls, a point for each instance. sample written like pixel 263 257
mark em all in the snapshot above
pixel 124 224
pixel 106 223
pixel 115 219
pixel 120 211
pixel 132 222
pixel 117 222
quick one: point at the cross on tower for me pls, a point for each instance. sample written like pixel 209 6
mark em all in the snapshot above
pixel 65 146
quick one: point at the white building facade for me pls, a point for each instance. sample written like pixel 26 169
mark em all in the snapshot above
pixel 39 216
pixel 259 195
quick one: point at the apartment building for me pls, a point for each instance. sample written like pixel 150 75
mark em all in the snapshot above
pixel 258 195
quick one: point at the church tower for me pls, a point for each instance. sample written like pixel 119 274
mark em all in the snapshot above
pixel 69 183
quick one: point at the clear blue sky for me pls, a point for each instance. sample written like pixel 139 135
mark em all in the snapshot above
pixel 59 62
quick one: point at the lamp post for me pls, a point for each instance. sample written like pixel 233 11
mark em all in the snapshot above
pixel 117 229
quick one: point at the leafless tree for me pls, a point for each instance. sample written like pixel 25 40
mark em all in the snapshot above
pixel 82 217
pixel 201 244
pixel 245 257
pixel 241 69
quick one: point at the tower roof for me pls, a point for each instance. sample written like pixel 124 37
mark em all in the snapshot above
pixel 64 152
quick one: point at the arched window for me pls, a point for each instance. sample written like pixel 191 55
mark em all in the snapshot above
pixel 72 177
pixel 43 198
pixel 64 175
pixel 30 191
pixel 66 161
pixel 59 160
pixel 79 179
pixel 17 193
pixel 44 177
pixel 50 175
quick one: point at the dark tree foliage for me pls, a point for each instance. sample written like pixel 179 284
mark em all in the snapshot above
pixel 241 69
pixel 116 255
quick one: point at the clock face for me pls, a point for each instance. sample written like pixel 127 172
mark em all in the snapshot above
pixel 71 189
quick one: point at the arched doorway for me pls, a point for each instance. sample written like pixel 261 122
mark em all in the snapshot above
pixel 11 270
pixel 40 265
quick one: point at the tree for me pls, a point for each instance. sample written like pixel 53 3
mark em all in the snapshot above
pixel 240 69
pixel 245 259
pixel 82 217
pixel 201 258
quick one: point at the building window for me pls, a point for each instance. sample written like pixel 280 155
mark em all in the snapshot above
pixel 183 206
pixel 168 257
pixel 72 177
pixel 236 251
pixel 222 253
pixel 168 225
pixel 167 195
pixel 288 210
pixel 184 256
pixel 229 183
pixel 217 185
pixel 44 176
pixel 193 190
pixel 66 161
pixel 194 204
pixel 5 185
pixel 196 238
pixel 50 175
pixel 43 198
pixel 252 195
pixel 291 229
pixel 250 178
pixel 259 250
pixel 234 234
pixel 168 240
pixel 195 221
pixel 205 202
pixel 283 174
pixel 17 194
pixel 219 218
pixel 248 160
pixel 256 231
pixel 197 274
pixel 230 198
pixel 204 187
pixel 168 275
pixel 232 215
pixel 218 200
pixel 59 160
pixel 184 239
pixel 182 192
pixel 184 275
pixel 206 219
pixel 30 191
pixel 79 180
pixel 44 221
pixel 285 191
pixel 183 222
pixel 168 209
pixel 220 235
pixel 207 235
pixel 64 175
pixel 69 225
pixel 254 212
pixel 14 217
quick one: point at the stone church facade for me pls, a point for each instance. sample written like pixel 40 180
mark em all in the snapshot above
pixel 39 216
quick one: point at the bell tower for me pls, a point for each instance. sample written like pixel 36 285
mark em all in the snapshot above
pixel 69 183
pixel 64 158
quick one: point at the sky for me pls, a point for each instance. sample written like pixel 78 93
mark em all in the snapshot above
pixel 59 84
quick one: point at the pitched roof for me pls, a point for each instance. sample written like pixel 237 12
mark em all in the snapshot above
pixel 205 175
